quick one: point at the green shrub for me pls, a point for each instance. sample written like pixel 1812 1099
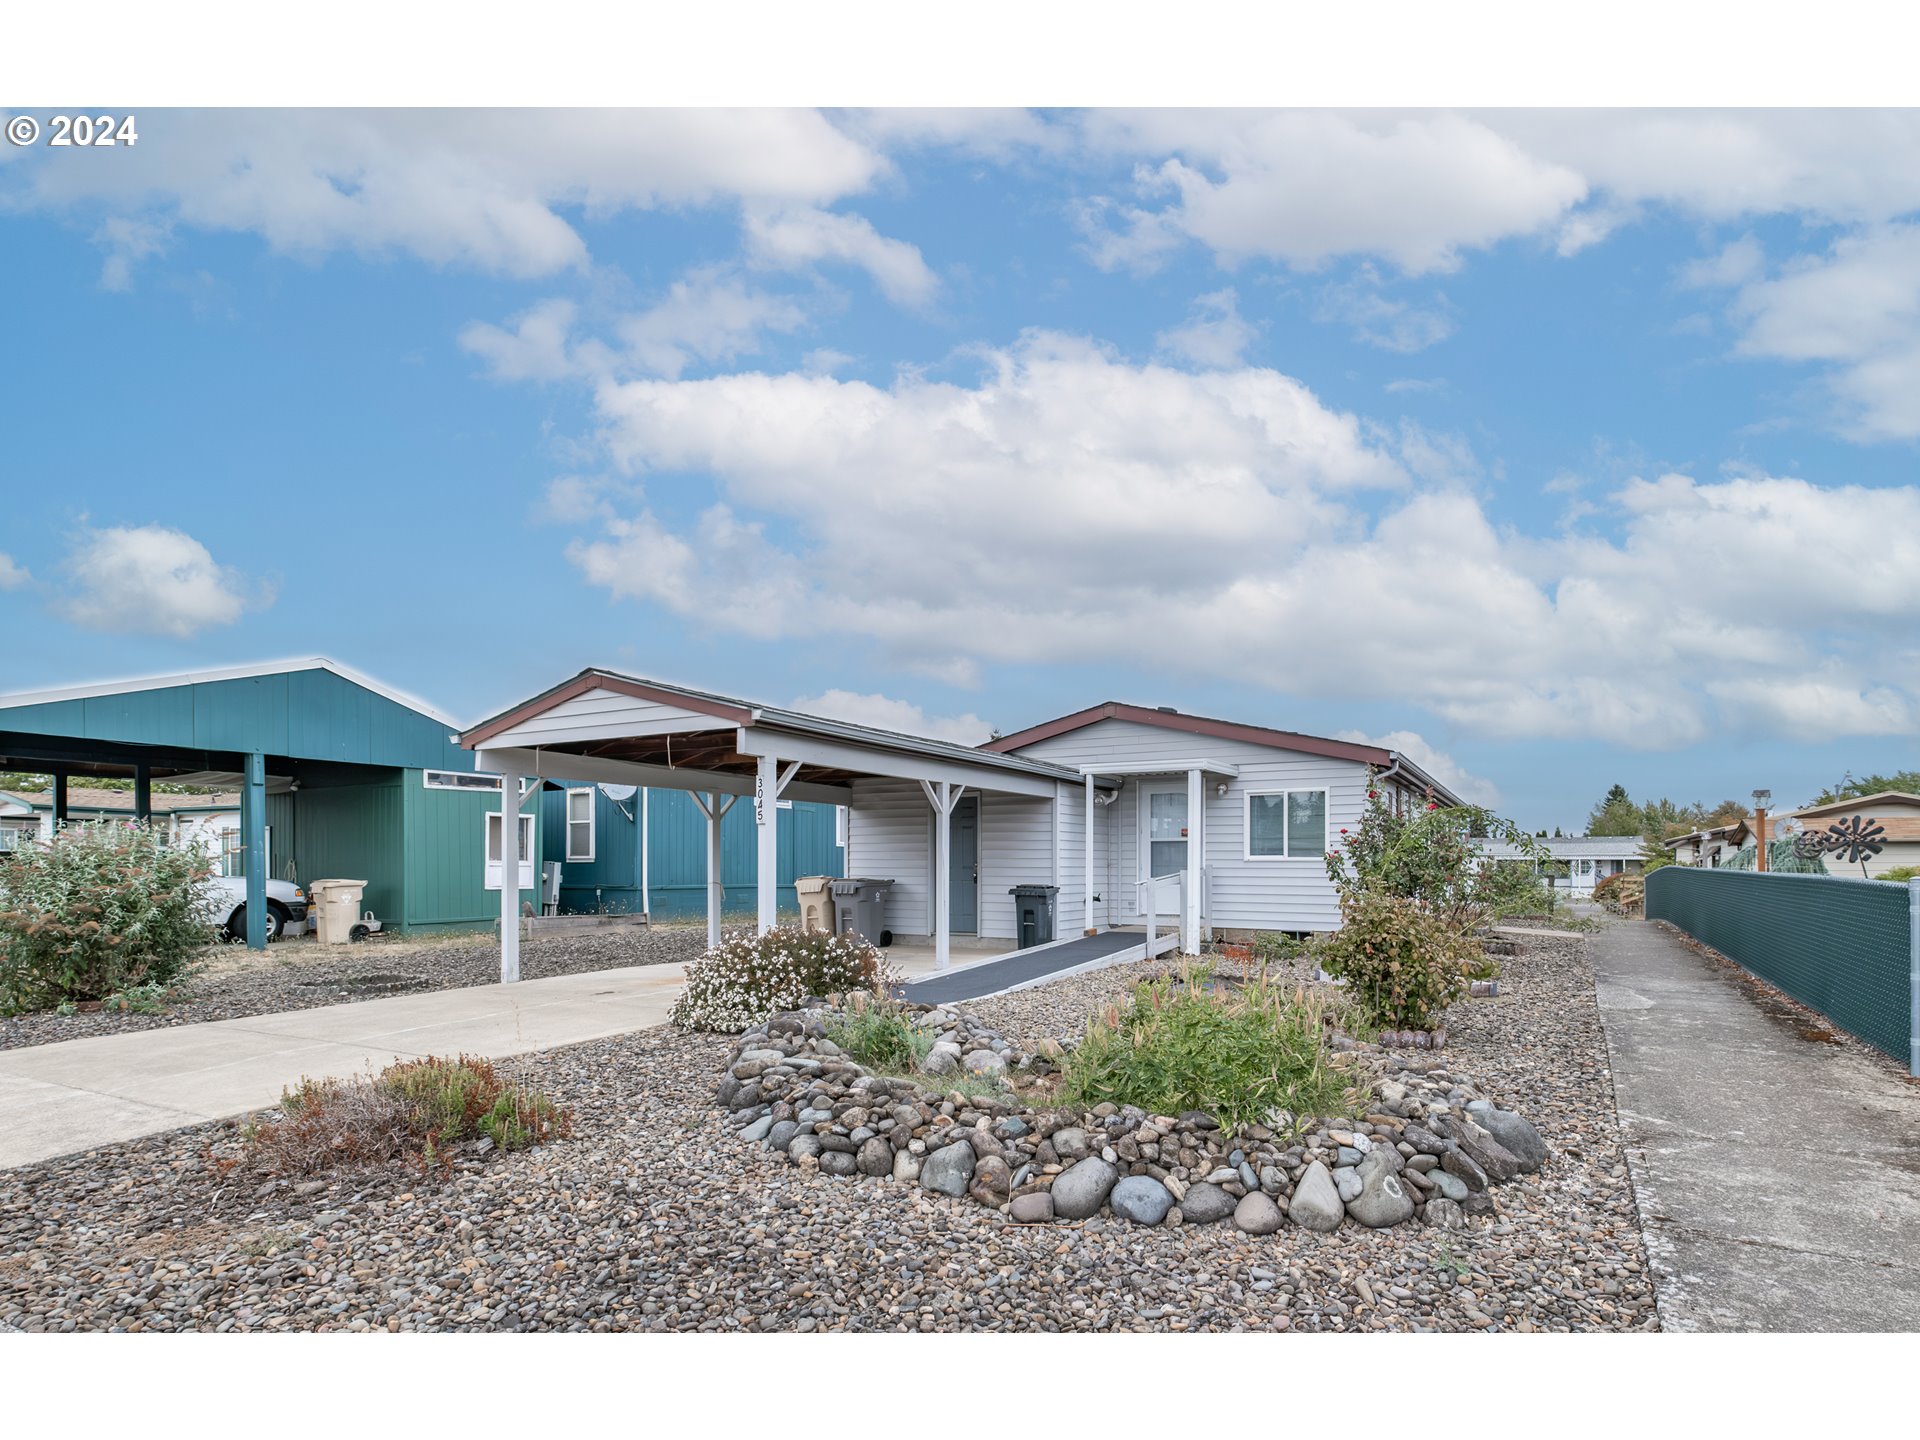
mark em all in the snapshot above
pixel 1272 947
pixel 1900 874
pixel 105 908
pixel 1236 1053
pixel 744 979
pixel 413 1109
pixel 882 1036
pixel 1433 855
pixel 1402 963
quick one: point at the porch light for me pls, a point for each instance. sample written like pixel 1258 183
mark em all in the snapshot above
pixel 1221 789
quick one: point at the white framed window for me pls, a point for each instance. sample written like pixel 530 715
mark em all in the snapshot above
pixel 580 832
pixel 1286 824
pixel 467 780
pixel 493 851
pixel 1583 867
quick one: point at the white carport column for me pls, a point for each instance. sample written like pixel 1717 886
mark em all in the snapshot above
pixel 943 797
pixel 1196 861
pixel 509 877
pixel 1086 841
pixel 768 781
pixel 714 807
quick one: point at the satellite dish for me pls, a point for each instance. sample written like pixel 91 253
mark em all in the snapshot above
pixel 617 793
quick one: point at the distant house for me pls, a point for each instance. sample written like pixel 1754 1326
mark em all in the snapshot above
pixel 1707 848
pixel 1896 812
pixel 1585 859
pixel 211 820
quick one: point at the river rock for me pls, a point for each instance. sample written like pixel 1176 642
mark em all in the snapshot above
pixel 1033 1208
pixel 876 1157
pixel 1203 1204
pixel 1518 1136
pixel 1071 1144
pixel 1316 1204
pixel 1141 1199
pixel 1445 1215
pixel 1382 1201
pixel 1256 1214
pixel 906 1166
pixel 1082 1188
pixel 1347 1181
pixel 948 1169
pixel 992 1182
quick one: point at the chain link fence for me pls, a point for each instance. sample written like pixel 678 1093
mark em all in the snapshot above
pixel 1842 946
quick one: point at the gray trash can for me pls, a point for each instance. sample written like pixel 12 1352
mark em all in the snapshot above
pixel 860 907
pixel 1033 913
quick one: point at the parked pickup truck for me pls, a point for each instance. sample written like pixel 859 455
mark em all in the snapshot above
pixel 286 907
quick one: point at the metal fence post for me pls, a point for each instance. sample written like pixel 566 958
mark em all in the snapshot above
pixel 1913 975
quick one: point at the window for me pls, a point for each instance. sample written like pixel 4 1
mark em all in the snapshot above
pixel 466 780
pixel 1166 833
pixel 579 825
pixel 1583 867
pixel 493 851
pixel 1286 824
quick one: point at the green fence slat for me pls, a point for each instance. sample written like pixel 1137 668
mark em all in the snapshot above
pixel 1838 945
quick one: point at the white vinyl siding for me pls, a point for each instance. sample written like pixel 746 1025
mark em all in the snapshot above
pixel 580 829
pixel 1241 893
pixel 604 715
pixel 1016 848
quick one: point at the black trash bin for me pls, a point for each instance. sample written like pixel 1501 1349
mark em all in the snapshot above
pixel 1033 912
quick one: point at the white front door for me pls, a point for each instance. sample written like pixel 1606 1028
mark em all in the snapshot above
pixel 1163 843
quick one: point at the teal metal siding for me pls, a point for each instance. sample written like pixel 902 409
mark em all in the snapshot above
pixel 351 832
pixel 446 857
pixel 677 846
pixel 299 714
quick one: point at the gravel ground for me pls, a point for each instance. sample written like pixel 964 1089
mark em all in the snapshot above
pixel 653 1217
pixel 299 974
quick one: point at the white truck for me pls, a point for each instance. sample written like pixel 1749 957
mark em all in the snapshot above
pixel 286 907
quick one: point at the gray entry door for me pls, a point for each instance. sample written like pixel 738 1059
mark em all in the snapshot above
pixel 963 901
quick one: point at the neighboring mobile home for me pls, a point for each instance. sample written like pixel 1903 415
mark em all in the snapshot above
pixel 1579 862
pixel 1895 812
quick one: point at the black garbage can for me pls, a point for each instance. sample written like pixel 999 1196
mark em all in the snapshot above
pixel 1033 912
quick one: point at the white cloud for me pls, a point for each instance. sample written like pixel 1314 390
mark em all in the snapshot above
pixel 127 242
pixel 1214 337
pixel 1069 506
pixel 1471 788
pixel 151 580
pixel 478 188
pixel 796 238
pixel 1734 264
pixel 1856 308
pixel 885 713
pixel 12 574
pixel 707 316
pixel 1396 325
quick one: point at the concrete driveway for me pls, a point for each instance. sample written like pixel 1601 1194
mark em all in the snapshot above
pixel 58 1099
pixel 1777 1174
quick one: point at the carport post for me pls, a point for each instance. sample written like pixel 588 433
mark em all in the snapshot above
pixel 253 829
pixel 142 792
pixel 1086 844
pixel 714 806
pixel 509 878
pixel 766 819
pixel 59 798
pixel 1190 890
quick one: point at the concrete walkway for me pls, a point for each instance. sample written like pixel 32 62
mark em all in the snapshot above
pixel 58 1099
pixel 1778 1176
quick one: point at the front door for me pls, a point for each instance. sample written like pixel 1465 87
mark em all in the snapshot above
pixel 963 874
pixel 1163 852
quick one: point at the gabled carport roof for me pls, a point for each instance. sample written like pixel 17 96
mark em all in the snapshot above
pixel 706 740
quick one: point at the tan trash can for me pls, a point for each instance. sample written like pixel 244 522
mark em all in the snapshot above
pixel 336 903
pixel 816 902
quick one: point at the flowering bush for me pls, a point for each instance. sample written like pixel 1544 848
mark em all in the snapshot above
pixel 1432 856
pixel 1402 962
pixel 102 909
pixel 745 978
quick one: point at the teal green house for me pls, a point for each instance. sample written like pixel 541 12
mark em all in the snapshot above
pixel 341 777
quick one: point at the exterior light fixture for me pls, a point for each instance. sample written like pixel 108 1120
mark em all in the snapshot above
pixel 1221 789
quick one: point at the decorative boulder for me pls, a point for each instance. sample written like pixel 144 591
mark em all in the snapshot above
pixel 906 1166
pixel 1071 1144
pixel 943 1059
pixel 802 1145
pixel 837 1162
pixel 876 1157
pixel 1488 1153
pixel 1316 1205
pixel 1383 1201
pixel 991 1182
pixel 1082 1189
pixel 1141 1199
pixel 1256 1214
pixel 782 1132
pixel 1461 1166
pixel 1033 1208
pixel 1203 1204
pixel 948 1169
pixel 1445 1215
pixel 1518 1136
pixel 984 1062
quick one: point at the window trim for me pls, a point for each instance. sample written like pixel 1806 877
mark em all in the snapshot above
pixel 489 783
pixel 1286 824
pixel 592 823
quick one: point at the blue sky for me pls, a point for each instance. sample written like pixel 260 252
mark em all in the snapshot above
pixel 1564 449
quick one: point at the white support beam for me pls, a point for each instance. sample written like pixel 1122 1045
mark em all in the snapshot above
pixel 898 765
pixel 942 798
pixel 509 877
pixel 564 765
pixel 1196 858
pixel 714 807
pixel 1087 844
pixel 766 819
